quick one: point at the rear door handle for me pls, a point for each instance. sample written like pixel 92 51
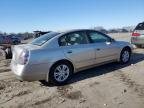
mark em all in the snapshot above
pixel 98 49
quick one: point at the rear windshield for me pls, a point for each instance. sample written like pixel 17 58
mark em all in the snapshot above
pixel 140 26
pixel 44 38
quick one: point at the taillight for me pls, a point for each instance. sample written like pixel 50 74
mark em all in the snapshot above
pixel 23 58
pixel 135 34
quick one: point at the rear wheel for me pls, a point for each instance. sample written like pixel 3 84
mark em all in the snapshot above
pixel 59 74
pixel 125 56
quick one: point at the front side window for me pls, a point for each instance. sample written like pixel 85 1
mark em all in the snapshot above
pixel 96 37
pixel 73 39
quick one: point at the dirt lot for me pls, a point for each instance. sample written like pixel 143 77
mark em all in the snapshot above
pixel 108 86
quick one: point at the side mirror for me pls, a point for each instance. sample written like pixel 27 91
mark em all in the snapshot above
pixel 112 40
pixel 108 43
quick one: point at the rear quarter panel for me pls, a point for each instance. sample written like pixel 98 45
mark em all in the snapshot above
pixel 40 62
pixel 44 56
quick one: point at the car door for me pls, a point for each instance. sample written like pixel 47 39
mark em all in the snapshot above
pixel 76 48
pixel 105 48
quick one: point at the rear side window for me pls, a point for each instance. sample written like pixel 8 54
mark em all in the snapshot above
pixel 44 38
pixel 75 38
pixel 140 26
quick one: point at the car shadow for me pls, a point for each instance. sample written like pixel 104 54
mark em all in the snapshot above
pixel 104 69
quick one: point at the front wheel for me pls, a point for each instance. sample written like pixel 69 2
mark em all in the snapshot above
pixel 125 56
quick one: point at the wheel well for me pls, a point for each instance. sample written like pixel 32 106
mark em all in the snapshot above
pixel 64 61
pixel 127 47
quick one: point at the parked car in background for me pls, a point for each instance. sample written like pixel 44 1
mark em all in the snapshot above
pixel 138 35
pixel 9 40
pixel 54 57
pixel 15 40
pixel 6 43
pixel 2 39
pixel 40 33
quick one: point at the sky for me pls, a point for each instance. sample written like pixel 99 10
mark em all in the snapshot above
pixel 29 15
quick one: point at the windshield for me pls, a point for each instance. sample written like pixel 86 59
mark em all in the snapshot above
pixel 44 38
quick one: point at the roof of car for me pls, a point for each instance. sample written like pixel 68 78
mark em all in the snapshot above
pixel 60 33
pixel 75 30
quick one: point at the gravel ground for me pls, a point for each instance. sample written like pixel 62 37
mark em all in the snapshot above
pixel 107 86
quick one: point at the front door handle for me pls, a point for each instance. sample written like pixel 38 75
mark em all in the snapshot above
pixel 69 52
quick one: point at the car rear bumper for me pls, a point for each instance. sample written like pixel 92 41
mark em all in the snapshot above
pixel 30 72
pixel 137 40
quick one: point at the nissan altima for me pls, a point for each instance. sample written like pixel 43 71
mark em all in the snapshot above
pixel 55 57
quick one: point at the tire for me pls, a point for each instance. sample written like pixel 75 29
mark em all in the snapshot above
pixel 59 78
pixel 125 56
pixel 8 53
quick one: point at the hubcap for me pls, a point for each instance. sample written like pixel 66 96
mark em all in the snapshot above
pixel 61 73
pixel 125 56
